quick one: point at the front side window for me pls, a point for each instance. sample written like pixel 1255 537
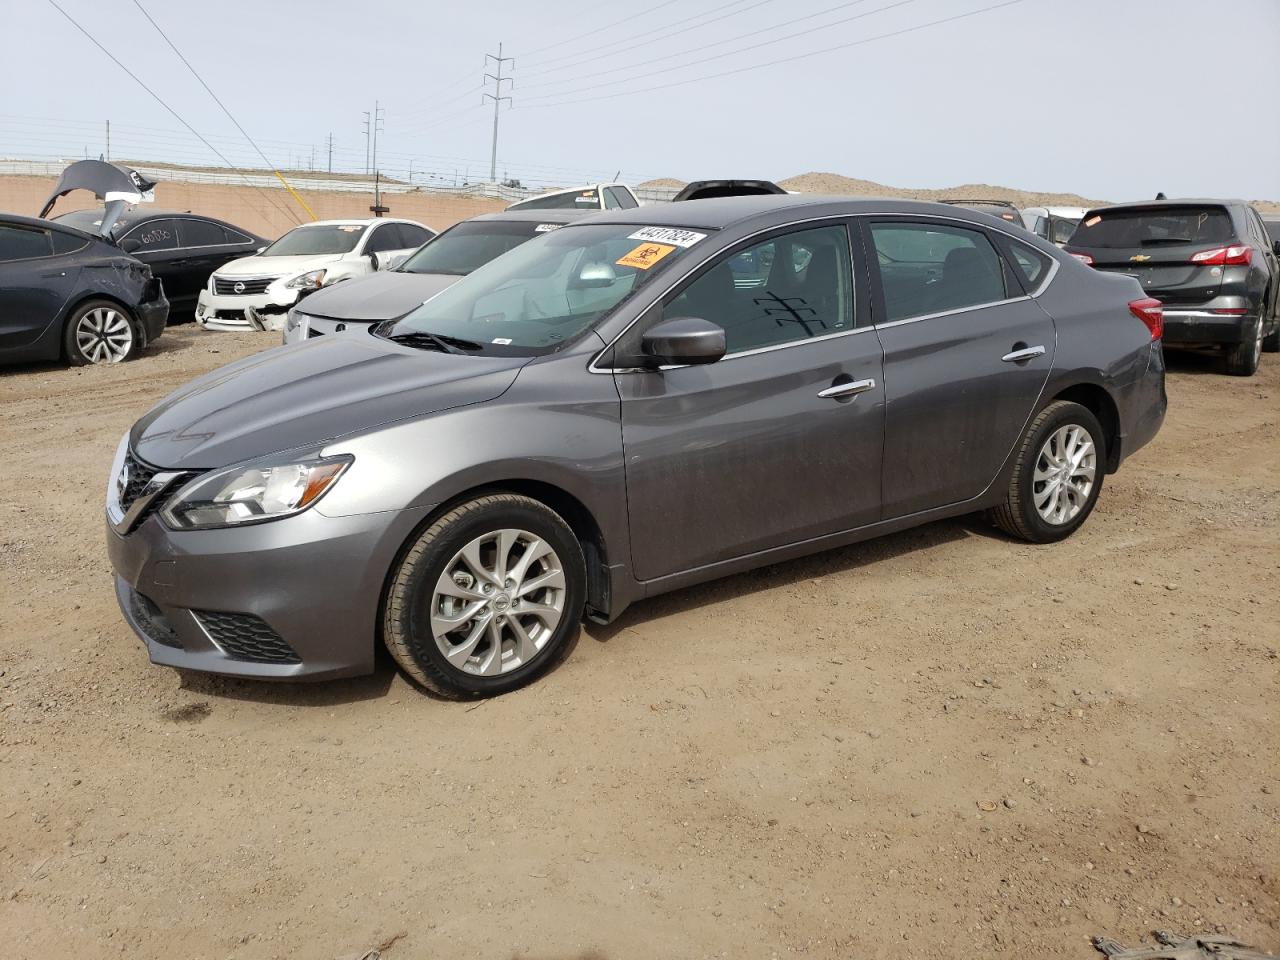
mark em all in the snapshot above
pixel 325 238
pixel 472 244
pixel 385 237
pixel 1061 229
pixel 154 235
pixel 21 243
pixel 545 292
pixel 928 268
pixel 789 288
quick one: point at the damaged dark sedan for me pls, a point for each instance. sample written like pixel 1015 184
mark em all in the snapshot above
pixel 65 294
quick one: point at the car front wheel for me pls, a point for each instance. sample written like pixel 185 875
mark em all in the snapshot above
pixel 1057 475
pixel 487 598
pixel 101 332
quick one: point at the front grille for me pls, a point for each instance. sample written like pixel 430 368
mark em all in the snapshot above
pixel 242 636
pixel 153 623
pixel 227 288
pixel 140 474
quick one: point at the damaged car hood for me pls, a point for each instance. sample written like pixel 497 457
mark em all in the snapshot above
pixel 276 266
pixel 307 395
pixel 379 296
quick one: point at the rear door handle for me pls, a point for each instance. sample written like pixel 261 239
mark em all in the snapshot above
pixel 1026 353
pixel 852 388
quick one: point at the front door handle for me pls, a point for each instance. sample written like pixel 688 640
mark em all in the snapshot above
pixel 839 391
pixel 1023 354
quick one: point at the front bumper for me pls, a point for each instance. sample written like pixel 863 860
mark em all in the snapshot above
pixel 304 592
pixel 216 311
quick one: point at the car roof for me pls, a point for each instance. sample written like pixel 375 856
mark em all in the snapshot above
pixel 717 213
pixel 18 219
pixel 355 222
pixel 134 214
pixel 549 215
pixel 1172 202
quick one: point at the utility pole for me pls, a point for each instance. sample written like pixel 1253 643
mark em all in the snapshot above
pixel 108 140
pixel 377 125
pixel 366 141
pixel 331 153
pixel 497 98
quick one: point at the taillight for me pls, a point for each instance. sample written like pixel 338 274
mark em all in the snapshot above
pixel 1224 256
pixel 1150 312
pixel 1084 258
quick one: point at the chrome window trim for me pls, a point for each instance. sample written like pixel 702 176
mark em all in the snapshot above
pixel 948 313
pixel 1055 263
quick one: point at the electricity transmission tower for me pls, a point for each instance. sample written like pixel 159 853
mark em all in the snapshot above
pixel 497 98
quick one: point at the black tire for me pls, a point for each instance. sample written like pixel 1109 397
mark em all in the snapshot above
pixel 1242 359
pixel 1271 342
pixel 71 347
pixel 407 616
pixel 1017 515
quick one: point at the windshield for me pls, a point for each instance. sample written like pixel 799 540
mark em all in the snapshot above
pixel 547 291
pixel 569 200
pixel 1152 226
pixel 319 239
pixel 472 244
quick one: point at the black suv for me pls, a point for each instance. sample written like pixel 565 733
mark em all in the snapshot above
pixel 1210 262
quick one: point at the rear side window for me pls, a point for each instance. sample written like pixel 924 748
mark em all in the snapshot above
pixel 201 233
pixel 67 242
pixel 1152 227
pixel 235 236
pixel 23 243
pixel 928 268
pixel 1031 265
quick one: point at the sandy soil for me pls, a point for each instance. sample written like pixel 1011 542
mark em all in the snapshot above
pixel 941 744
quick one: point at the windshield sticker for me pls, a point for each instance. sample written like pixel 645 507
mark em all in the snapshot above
pixel 546 227
pixel 646 255
pixel 681 238
pixel 1093 221
pixel 350 229
pixel 502 341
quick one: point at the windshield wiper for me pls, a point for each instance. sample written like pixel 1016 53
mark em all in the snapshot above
pixel 439 341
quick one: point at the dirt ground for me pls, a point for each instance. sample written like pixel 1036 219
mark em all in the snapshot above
pixel 940 744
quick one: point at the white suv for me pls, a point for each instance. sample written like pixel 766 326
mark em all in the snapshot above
pixel 594 196
pixel 258 291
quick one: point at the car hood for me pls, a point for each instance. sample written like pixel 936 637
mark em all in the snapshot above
pixel 275 266
pixel 379 296
pixel 307 395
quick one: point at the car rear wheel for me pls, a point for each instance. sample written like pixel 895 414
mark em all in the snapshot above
pixel 487 598
pixel 1057 475
pixel 101 332
pixel 1241 359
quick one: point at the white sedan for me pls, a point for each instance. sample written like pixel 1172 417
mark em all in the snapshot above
pixel 258 291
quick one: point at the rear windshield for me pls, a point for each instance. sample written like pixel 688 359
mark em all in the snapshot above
pixel 1152 227
pixel 319 239
pixel 572 200
pixel 470 245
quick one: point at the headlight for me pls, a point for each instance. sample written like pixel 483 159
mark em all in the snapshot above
pixel 252 494
pixel 308 281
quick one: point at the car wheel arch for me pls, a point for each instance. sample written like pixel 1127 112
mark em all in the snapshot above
pixel 586 528
pixel 1097 400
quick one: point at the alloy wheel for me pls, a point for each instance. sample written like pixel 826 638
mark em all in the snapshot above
pixel 1064 474
pixel 104 335
pixel 498 602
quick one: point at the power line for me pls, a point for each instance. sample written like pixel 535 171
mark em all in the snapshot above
pixel 607 26
pixel 737 12
pixel 773 63
pixel 206 86
pixel 162 103
pixel 744 36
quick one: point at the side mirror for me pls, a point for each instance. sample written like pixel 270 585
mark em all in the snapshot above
pixel 373 259
pixel 131 245
pixel 683 340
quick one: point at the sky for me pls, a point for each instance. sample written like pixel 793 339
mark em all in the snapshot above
pixel 1112 99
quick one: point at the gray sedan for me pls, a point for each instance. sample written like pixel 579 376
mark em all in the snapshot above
pixel 621 407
